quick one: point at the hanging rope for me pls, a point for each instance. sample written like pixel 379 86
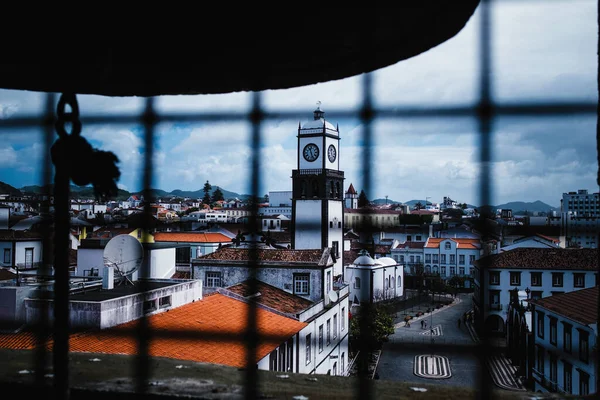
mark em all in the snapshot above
pixel 72 152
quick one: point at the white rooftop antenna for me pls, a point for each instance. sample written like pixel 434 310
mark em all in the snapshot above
pixel 125 253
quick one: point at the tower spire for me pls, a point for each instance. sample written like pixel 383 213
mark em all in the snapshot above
pixel 318 114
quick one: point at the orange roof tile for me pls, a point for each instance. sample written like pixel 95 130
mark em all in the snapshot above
pixel 215 314
pixel 580 305
pixel 463 243
pixel 196 237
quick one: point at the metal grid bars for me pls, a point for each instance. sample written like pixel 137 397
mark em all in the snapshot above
pixel 485 111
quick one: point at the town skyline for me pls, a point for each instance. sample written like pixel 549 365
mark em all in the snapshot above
pixel 547 52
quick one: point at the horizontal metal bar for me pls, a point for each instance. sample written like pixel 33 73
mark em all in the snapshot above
pixel 547 109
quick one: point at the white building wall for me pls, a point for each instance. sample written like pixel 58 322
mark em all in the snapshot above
pixel 4 217
pixel 162 263
pixel 88 259
pixel 561 354
pixel 308 224
pixel 546 288
pixel 20 251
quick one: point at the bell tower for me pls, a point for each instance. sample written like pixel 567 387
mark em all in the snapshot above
pixel 317 189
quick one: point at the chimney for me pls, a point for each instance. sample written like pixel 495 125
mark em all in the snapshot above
pixel 108 278
pixel 430 230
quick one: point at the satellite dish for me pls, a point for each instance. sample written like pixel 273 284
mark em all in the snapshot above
pixel 333 296
pixel 125 253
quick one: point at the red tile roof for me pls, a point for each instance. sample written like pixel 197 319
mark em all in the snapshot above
pixel 9 234
pixel 191 237
pixel 215 314
pixel 580 305
pixel 272 297
pixel 543 258
pixel 351 189
pixel 18 341
pixel 411 245
pixel 318 257
pixel 463 243
pixel 109 232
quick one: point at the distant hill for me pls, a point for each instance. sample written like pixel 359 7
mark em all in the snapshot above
pixel 5 188
pixel 521 206
pixel 87 192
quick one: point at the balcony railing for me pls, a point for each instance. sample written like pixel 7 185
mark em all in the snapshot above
pixel 547 383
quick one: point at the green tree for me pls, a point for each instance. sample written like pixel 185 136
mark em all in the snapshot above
pixel 463 206
pixel 191 210
pixel 217 195
pixel 418 206
pixel 379 326
pixel 207 188
pixel 363 201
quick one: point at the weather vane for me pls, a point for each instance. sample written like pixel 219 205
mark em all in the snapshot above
pixel 319 104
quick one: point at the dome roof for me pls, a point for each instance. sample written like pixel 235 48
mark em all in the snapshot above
pixel 318 123
pixel 387 261
pixel 365 260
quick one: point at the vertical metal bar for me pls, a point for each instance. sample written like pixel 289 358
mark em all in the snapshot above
pixel 251 375
pixel 484 112
pixel 149 119
pixel 61 325
pixel 42 323
pixel 365 386
pixel 596 354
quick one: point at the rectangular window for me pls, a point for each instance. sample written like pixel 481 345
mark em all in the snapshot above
pixel 213 279
pixel 557 279
pixel 536 279
pixel 452 259
pixel 471 259
pixel 436 258
pixel 328 332
pixel 568 377
pixel 328 283
pixel 567 337
pixel 540 359
pixel 149 306
pixel 553 369
pixel 515 278
pixel 29 257
pixel 335 249
pixel 301 284
pixel 418 238
pixel 308 348
pixel 343 321
pixel 584 383
pixel 342 362
pixel 408 238
pixel 540 325
pixel 584 346
pixel 427 258
pixel 579 280
pixel 335 322
pixel 164 302
pixel 443 260
pixel 320 338
pixel 536 294
pixel 356 283
pixel 461 270
pixel 494 277
pixel 6 256
pixel 461 259
pixel 553 329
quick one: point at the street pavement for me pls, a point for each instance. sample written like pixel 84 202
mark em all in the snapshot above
pixel 442 352
pixel 424 355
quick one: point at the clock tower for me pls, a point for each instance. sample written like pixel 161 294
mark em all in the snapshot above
pixel 317 189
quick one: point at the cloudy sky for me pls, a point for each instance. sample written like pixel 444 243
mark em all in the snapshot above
pixel 541 51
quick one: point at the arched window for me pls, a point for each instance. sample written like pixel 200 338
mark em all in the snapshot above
pixel 399 281
pixel 386 284
pixel 337 190
pixel 447 246
pixel 435 269
pixel 303 193
pixel 392 283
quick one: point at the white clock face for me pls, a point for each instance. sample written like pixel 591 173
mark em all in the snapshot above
pixel 310 152
pixel 331 153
